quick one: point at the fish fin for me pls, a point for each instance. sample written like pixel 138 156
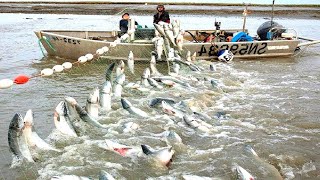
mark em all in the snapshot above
pixel 146 150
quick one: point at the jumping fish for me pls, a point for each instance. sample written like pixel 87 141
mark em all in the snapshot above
pixel 82 113
pixel 163 156
pixel 171 56
pixel 32 138
pixel 109 71
pixel 123 150
pixel 144 78
pixel 155 101
pixel 153 68
pixel 130 127
pixel 169 34
pixel 168 109
pixel 175 27
pixel 242 173
pixel 158 44
pixel 188 56
pixel 131 62
pixel 117 88
pixel 92 105
pixel 62 120
pixel 105 100
pixel 172 137
pixel 120 68
pixel 197 124
pixel 105 176
pixel 154 83
pixel 269 170
pixel 202 116
pixel 194 56
pixel 161 78
pixel 159 28
pixel 179 41
pixel 131 109
pixel 16 140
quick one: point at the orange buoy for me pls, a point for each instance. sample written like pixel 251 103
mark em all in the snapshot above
pixel 21 79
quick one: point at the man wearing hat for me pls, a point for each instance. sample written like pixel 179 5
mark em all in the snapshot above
pixel 161 15
pixel 123 24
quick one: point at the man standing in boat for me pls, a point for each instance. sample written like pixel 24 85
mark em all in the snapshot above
pixel 123 24
pixel 161 15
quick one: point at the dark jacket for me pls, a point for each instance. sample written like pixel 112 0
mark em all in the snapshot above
pixel 123 25
pixel 163 17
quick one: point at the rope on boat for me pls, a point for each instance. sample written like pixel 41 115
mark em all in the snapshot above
pixel 41 48
pixel 48 43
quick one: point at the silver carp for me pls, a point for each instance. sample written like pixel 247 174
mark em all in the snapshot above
pixel 120 68
pixel 92 105
pixel 154 83
pixel 158 44
pixel 105 100
pixel 197 124
pixel 175 27
pixel 159 28
pixel 172 137
pixel 83 115
pixel 242 173
pixel 16 140
pixel 62 120
pixel 269 170
pixel 144 78
pixel 188 56
pixel 131 109
pixel 153 67
pixel 179 42
pixel 194 56
pixel 32 138
pixel 163 155
pixel 169 34
pixel 161 78
pixel 117 87
pixel 123 150
pixel 131 62
pixel 156 101
pixel 109 71
pixel 168 109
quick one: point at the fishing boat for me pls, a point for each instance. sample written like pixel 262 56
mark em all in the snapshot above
pixel 273 40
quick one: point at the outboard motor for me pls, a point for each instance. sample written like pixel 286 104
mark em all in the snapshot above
pixel 266 31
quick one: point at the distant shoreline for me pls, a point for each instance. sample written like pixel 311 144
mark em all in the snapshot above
pixel 156 3
pixel 109 8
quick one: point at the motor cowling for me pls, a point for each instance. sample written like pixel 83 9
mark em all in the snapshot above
pixel 270 30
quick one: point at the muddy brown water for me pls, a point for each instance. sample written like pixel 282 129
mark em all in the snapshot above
pixel 271 104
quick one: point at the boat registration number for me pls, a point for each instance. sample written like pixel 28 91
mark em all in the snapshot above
pixel 66 40
pixel 242 49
